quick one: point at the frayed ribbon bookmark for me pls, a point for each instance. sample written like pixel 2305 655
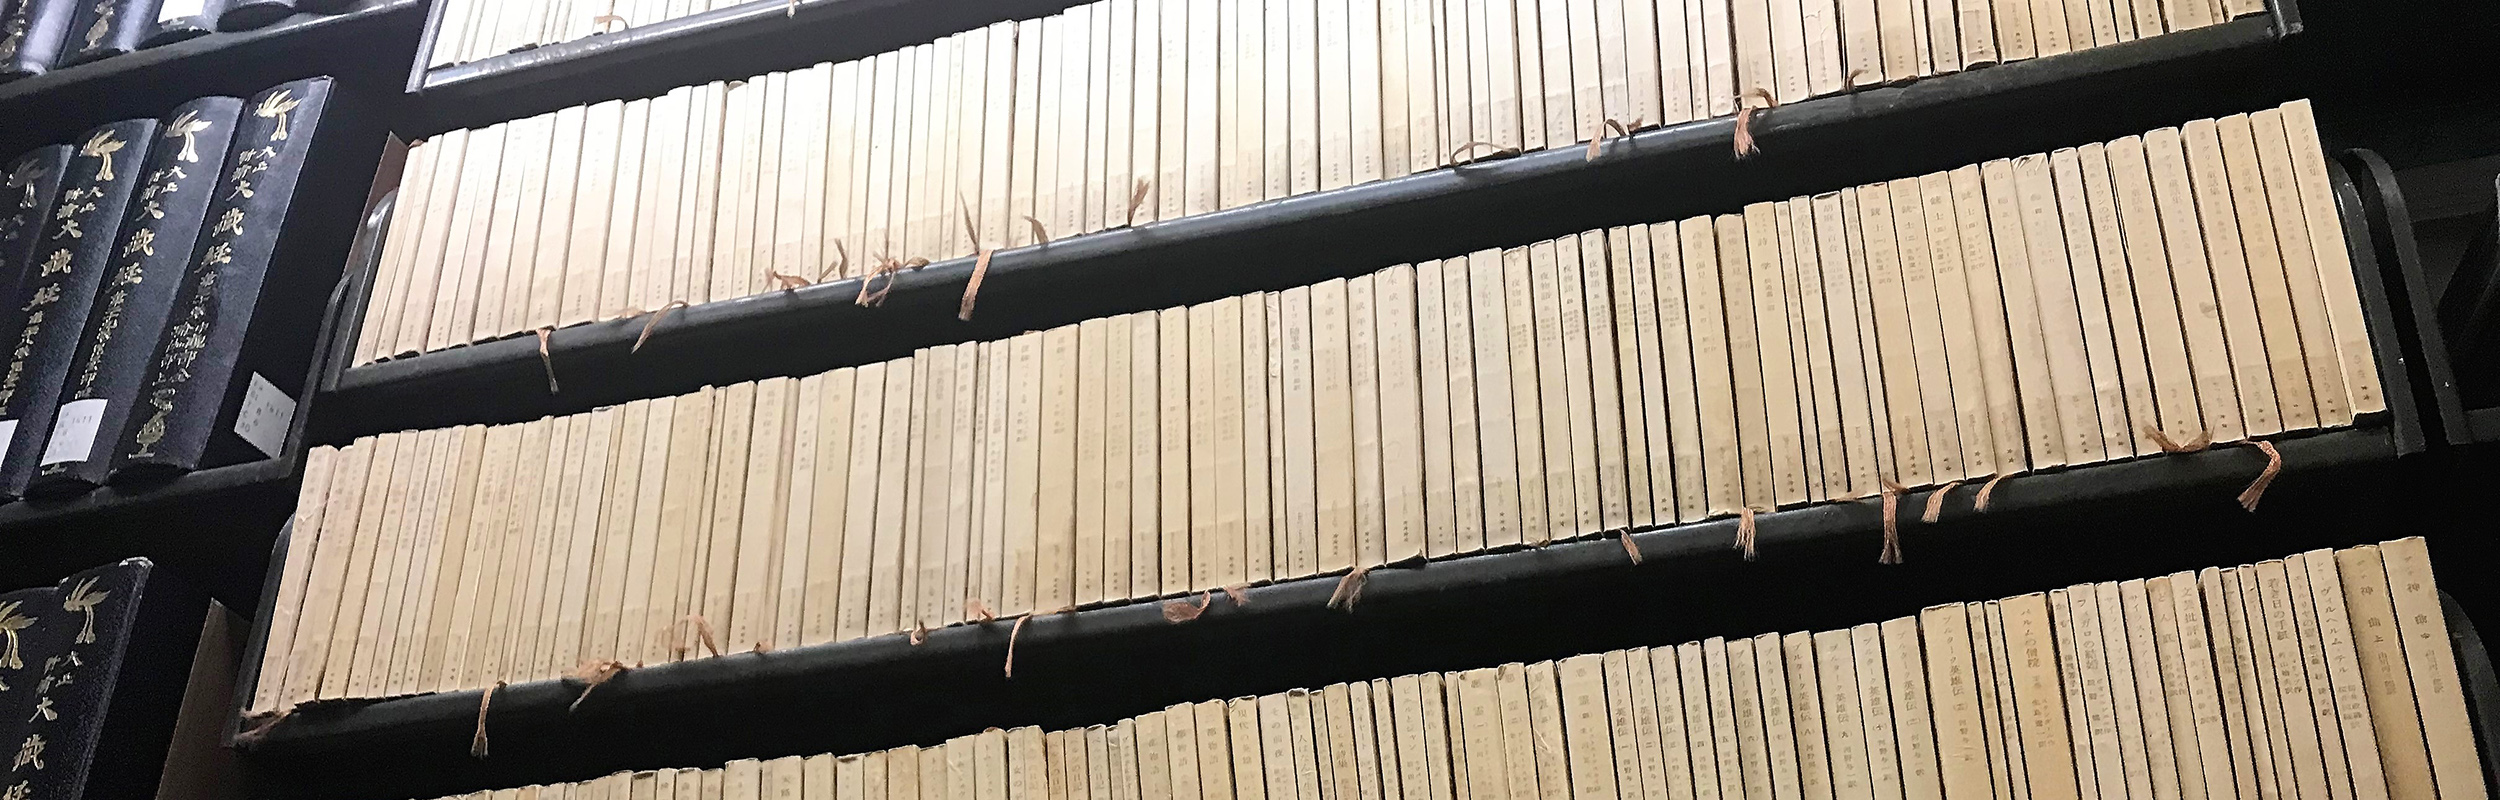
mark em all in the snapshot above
pixel 1748 533
pixel 2203 440
pixel 1988 490
pixel 1935 503
pixel 654 323
pixel 1744 140
pixel 1349 589
pixel 1598 137
pixel 2257 489
pixel 1179 611
pixel 547 358
pixel 485 700
pixel 592 674
pixel 1470 147
pixel 1892 523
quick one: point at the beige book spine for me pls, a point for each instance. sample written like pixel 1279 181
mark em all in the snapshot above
pixel 1756 456
pixel 1587 735
pixel 1145 452
pixel 2335 270
pixel 2436 687
pixel 1300 454
pixel 1706 321
pixel 1440 410
pixel 1961 746
pixel 1339 536
pixel 1918 288
pixel 2340 642
pixel 2312 664
pixel 1728 763
pixel 1910 464
pixel 1843 720
pixel 1402 427
pixel 1686 496
pixel 2279 177
pixel 1371 533
pixel 2032 372
pixel 2263 259
pixel 2048 752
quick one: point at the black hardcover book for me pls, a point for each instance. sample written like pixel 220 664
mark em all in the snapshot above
pixel 108 675
pixel 34 184
pixel 22 614
pixel 179 20
pixel 223 379
pixel 49 311
pixel 244 15
pixel 157 235
pixel 107 28
pixel 32 36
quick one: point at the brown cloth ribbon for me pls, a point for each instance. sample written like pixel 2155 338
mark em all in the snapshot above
pixel 547 358
pixel 1892 523
pixel 477 741
pixel 1498 152
pixel 1987 491
pixel 652 325
pixel 1179 611
pixel 1744 141
pixel 1349 589
pixel 1748 532
pixel 1599 136
pixel 2203 440
pixel 1935 502
pixel 592 674
pixel 2257 489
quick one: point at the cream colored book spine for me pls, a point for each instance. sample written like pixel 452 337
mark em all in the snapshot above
pixel 2297 404
pixel 1526 394
pixel 2227 258
pixel 1371 533
pixel 1055 524
pixel 2107 388
pixel 2335 271
pixel 1300 456
pixel 2436 687
pixel 1401 419
pixel 2280 180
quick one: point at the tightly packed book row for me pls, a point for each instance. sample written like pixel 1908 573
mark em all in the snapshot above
pixel 2322 675
pixel 2049 310
pixel 1111 113
pixel 136 263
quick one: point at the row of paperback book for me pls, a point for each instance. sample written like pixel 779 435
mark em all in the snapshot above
pixel 134 261
pixel 1110 113
pixel 2321 675
pixel 38 36
pixel 2050 310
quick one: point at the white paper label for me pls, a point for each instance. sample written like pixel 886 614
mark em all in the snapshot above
pixel 177 9
pixel 265 416
pixel 74 431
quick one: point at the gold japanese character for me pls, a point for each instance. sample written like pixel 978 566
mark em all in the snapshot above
pixel 276 106
pixel 83 599
pixel 142 240
pixel 188 126
pixel 102 147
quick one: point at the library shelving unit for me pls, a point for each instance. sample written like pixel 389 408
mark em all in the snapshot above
pixel 214 526
pixel 1816 567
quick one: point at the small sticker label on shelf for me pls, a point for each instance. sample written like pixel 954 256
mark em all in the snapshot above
pixel 74 431
pixel 177 9
pixel 265 416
